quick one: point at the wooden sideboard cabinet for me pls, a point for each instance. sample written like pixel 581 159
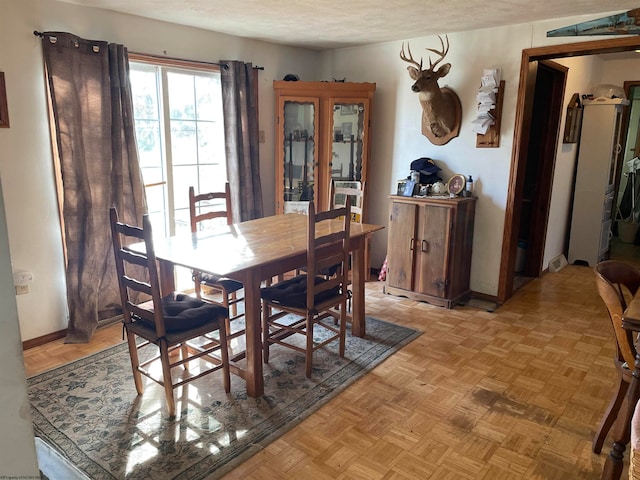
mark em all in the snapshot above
pixel 429 248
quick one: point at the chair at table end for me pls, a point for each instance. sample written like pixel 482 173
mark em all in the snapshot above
pixel 617 283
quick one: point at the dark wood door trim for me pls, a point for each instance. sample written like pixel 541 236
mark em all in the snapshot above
pixel 510 233
pixel 556 75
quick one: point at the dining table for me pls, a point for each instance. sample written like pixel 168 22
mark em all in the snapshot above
pixel 621 432
pixel 252 252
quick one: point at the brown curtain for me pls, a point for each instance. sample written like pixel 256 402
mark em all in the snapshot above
pixel 97 164
pixel 240 108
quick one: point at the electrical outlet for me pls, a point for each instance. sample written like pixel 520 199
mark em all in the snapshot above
pixel 22 289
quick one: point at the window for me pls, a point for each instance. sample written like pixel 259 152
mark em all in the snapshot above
pixel 180 136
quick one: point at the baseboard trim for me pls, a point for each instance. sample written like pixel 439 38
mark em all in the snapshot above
pixel 49 337
pixel 484 296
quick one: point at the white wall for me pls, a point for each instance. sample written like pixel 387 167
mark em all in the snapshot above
pixel 583 72
pixel 25 158
pixel 17 448
pixel 397 139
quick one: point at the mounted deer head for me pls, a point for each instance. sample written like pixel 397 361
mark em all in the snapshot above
pixel 441 110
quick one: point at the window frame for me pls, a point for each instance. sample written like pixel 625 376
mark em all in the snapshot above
pixel 169 64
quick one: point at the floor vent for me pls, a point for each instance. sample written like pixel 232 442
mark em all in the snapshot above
pixel 558 263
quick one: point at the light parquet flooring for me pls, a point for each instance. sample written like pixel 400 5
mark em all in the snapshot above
pixel 513 394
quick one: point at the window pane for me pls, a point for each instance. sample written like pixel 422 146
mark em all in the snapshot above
pixel 149 143
pixel 184 142
pixel 183 178
pixel 183 220
pixel 152 175
pixel 210 143
pixel 212 178
pixel 181 96
pixel 193 105
pixel 209 105
pixel 145 93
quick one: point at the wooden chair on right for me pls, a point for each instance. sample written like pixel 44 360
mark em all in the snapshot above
pixel 299 306
pixel 617 282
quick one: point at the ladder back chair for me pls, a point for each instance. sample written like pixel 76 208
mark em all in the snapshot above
pixel 340 191
pixel 222 291
pixel 297 308
pixel 617 282
pixel 174 323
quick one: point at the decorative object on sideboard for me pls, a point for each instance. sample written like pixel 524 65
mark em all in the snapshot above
pixel 441 108
pixel 4 109
pixel 427 170
pixel 456 184
pixel 468 192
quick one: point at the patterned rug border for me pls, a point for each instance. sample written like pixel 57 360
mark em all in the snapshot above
pixel 215 465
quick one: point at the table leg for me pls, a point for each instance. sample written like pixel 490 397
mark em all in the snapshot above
pixel 167 280
pixel 622 428
pixel 253 329
pixel 358 278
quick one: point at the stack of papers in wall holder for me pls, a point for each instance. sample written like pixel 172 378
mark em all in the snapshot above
pixel 486 97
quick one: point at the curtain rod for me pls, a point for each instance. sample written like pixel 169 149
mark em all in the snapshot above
pixel 223 65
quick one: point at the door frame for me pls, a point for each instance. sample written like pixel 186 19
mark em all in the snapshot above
pixel 554 76
pixel 520 142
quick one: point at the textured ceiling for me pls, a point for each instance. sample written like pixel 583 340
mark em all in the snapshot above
pixel 327 24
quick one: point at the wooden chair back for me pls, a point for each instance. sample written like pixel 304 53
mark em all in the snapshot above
pixel 327 252
pixel 201 207
pixel 137 273
pixel 340 191
pixel 617 282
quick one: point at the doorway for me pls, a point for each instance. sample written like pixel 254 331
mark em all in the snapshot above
pixel 521 143
pixel 548 83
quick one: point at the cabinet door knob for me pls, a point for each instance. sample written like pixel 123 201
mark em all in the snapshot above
pixel 425 246
pixel 412 244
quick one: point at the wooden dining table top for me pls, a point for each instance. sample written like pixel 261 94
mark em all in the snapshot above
pixel 631 316
pixel 234 249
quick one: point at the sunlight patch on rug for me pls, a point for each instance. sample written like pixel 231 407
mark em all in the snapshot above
pixel 89 410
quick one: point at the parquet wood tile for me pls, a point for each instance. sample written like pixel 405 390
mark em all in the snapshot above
pixel 506 395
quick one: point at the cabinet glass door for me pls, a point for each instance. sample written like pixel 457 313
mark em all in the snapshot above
pixel 299 155
pixel 348 134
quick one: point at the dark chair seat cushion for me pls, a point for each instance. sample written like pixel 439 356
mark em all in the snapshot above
pixel 326 272
pixel 214 280
pixel 293 292
pixel 182 312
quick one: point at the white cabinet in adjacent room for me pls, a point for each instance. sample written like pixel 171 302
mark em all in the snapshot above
pixel 600 151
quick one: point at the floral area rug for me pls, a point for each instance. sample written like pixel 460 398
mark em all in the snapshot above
pixel 89 410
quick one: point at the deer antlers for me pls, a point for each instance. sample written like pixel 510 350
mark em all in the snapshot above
pixel 410 59
pixel 442 53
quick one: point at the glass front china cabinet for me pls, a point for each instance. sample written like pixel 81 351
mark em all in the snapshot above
pixel 322 135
